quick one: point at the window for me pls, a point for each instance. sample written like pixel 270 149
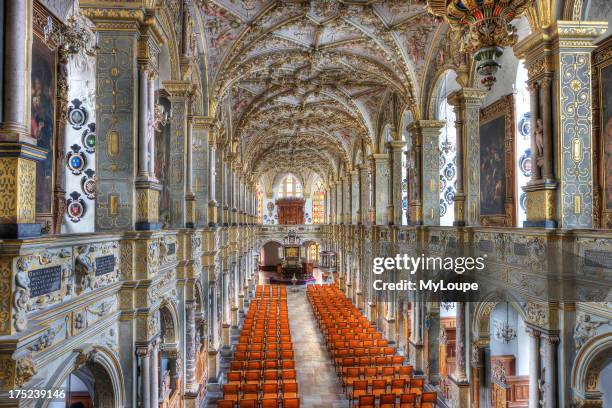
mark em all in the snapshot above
pixel 290 187
pixel 318 204
pixel 448 164
pixel 523 142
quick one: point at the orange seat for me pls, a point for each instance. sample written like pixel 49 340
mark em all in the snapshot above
pixel 234 377
pixel 379 387
pixel 398 386
pixel 367 401
pixel 252 377
pixel 225 404
pixel 250 391
pixel 230 392
pixel 288 364
pixel 270 376
pixel 428 400
pixel 386 401
pixel 269 403
pixel 270 390
pixel 289 375
pixel 405 372
pixel 291 403
pixel 247 403
pixel 416 386
pixel 290 390
pixel 359 388
pixel 408 401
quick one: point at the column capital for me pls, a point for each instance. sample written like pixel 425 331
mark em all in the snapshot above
pixel 466 97
pixel 422 125
pixel 397 144
pixel 178 89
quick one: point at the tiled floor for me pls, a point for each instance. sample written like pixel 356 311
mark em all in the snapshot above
pixel 317 380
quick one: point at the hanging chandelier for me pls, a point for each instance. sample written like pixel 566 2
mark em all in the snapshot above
pixel 505 332
pixel 73 38
pixel 486 28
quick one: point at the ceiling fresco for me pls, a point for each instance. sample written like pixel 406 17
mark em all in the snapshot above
pixel 305 82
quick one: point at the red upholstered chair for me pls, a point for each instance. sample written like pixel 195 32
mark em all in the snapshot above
pixel 225 404
pixel 291 403
pixel 247 403
pixel 290 390
pixel 360 388
pixel 250 391
pixel 230 392
pixel 398 386
pixel 416 386
pixel 269 403
pixel 379 387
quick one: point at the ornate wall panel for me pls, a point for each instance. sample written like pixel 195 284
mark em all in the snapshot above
pixel 472 163
pixel 116 102
pixel 176 172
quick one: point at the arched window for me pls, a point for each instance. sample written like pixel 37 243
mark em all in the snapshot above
pixel 259 206
pixel 318 204
pixel 523 142
pixel 448 151
pixel 290 187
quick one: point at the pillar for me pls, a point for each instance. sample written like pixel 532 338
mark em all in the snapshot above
pixel 425 207
pixel 466 103
pixel 190 347
pixel 332 203
pixel 202 169
pixel 346 199
pixel 550 371
pixel 339 201
pixel 213 219
pixel 380 164
pixel 155 373
pixel 460 371
pixel 534 368
pixel 147 186
pixel 180 153
pixel 190 198
pixel 364 194
pixel 355 196
pixel 396 150
pixel 145 376
pixel 558 60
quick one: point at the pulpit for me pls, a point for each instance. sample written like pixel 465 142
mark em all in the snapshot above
pixel 290 211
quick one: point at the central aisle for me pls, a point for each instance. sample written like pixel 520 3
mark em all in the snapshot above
pixel 317 380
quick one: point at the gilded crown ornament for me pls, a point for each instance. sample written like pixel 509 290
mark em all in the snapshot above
pixel 486 27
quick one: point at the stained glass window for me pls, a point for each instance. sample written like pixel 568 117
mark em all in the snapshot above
pixel 318 204
pixel 290 187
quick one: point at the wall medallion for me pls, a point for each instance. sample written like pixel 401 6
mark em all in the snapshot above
pixel 89 138
pixel 75 207
pixel 524 126
pixel 76 160
pixel 88 184
pixel 77 114
pixel 525 163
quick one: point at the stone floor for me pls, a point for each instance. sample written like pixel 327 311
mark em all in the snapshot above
pixel 317 380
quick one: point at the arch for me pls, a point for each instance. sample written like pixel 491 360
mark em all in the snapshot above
pixel 590 360
pixel 482 313
pixel 103 365
pixel 169 323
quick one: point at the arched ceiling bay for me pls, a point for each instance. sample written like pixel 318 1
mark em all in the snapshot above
pixel 302 83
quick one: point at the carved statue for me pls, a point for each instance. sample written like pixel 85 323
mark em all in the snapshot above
pixel 539 140
pixel 586 329
pixel 84 271
pixel 166 385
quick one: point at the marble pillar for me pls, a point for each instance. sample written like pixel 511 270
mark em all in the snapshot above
pixel 534 368
pixel 460 374
pixel 155 374
pixel 145 376
pixel 550 396
pixel 381 187
pixel 339 201
pixel 213 219
pixel 346 199
pixel 355 196
pixel 364 194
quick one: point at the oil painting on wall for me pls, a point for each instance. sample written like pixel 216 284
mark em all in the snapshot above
pixel 42 119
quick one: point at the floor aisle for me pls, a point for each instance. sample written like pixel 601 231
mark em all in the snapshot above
pixel 317 380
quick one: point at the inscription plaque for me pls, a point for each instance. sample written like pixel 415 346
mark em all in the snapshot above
pixel 598 259
pixel 45 280
pixel 105 264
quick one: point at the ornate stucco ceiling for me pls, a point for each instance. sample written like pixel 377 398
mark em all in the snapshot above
pixel 303 84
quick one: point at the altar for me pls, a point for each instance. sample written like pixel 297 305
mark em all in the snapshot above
pixel 293 267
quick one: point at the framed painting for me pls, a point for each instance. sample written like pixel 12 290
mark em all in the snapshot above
pixel 602 134
pixel 43 87
pixel 497 163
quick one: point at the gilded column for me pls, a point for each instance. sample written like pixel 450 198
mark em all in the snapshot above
pixel 381 187
pixel 396 150
pixel 466 103
pixel 364 196
pixel 426 205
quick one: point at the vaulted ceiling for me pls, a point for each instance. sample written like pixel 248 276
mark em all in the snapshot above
pixel 300 85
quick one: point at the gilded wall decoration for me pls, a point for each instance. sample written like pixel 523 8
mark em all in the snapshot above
pixel 497 163
pixel 576 140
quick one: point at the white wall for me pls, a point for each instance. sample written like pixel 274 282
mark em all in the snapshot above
pixel 519 347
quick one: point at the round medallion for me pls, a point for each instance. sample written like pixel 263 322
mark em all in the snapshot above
pixel 524 125
pixel 442 183
pixel 442 208
pixel 88 184
pixel 270 206
pixel 449 195
pixel 75 207
pixel 89 138
pixel 525 163
pixel 442 160
pixel 77 114
pixel 449 171
pixel 523 201
pixel 76 162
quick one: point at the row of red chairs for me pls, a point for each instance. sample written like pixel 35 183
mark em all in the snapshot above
pixel 371 375
pixel 262 371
